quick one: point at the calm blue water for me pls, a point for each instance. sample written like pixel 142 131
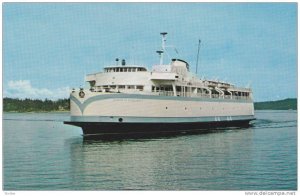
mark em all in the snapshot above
pixel 41 153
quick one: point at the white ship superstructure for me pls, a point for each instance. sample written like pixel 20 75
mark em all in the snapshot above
pixel 168 98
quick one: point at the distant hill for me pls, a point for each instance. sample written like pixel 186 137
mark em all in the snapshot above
pixel 286 104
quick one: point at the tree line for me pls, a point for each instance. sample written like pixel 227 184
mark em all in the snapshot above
pixel 35 105
pixel 286 104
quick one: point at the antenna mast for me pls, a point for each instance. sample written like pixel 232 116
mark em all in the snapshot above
pixel 198 56
pixel 163 47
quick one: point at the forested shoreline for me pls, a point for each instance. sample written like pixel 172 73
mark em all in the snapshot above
pixel 285 104
pixel 36 105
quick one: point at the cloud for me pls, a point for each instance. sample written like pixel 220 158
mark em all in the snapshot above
pixel 23 89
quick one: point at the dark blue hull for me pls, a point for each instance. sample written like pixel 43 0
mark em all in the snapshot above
pixel 101 128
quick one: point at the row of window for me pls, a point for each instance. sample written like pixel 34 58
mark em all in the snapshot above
pixel 199 90
pixel 113 87
pixel 125 69
pixel 180 90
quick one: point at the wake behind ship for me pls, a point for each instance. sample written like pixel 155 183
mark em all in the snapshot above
pixel 131 99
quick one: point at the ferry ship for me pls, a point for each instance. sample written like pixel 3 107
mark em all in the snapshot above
pixel 168 98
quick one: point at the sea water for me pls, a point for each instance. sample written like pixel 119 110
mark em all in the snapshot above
pixel 41 153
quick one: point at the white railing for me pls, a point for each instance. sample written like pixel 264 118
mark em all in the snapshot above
pixel 203 95
pixel 171 93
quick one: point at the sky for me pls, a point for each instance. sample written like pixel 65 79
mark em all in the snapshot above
pixel 49 47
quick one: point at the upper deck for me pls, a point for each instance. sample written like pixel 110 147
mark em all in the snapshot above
pixel 165 80
pixel 173 79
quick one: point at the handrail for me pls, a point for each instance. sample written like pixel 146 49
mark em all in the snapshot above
pixel 204 95
pixel 179 94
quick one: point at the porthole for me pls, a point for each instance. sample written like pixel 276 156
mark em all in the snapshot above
pixel 120 119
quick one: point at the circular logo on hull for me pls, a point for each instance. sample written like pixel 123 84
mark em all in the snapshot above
pixel 81 94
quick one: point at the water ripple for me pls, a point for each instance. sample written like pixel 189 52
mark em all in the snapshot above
pixel 41 153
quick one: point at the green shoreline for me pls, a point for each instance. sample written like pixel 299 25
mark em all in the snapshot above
pixel 66 111
pixel 285 104
pixel 29 105
pixel 63 105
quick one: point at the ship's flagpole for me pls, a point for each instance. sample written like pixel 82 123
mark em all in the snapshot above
pixel 198 56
